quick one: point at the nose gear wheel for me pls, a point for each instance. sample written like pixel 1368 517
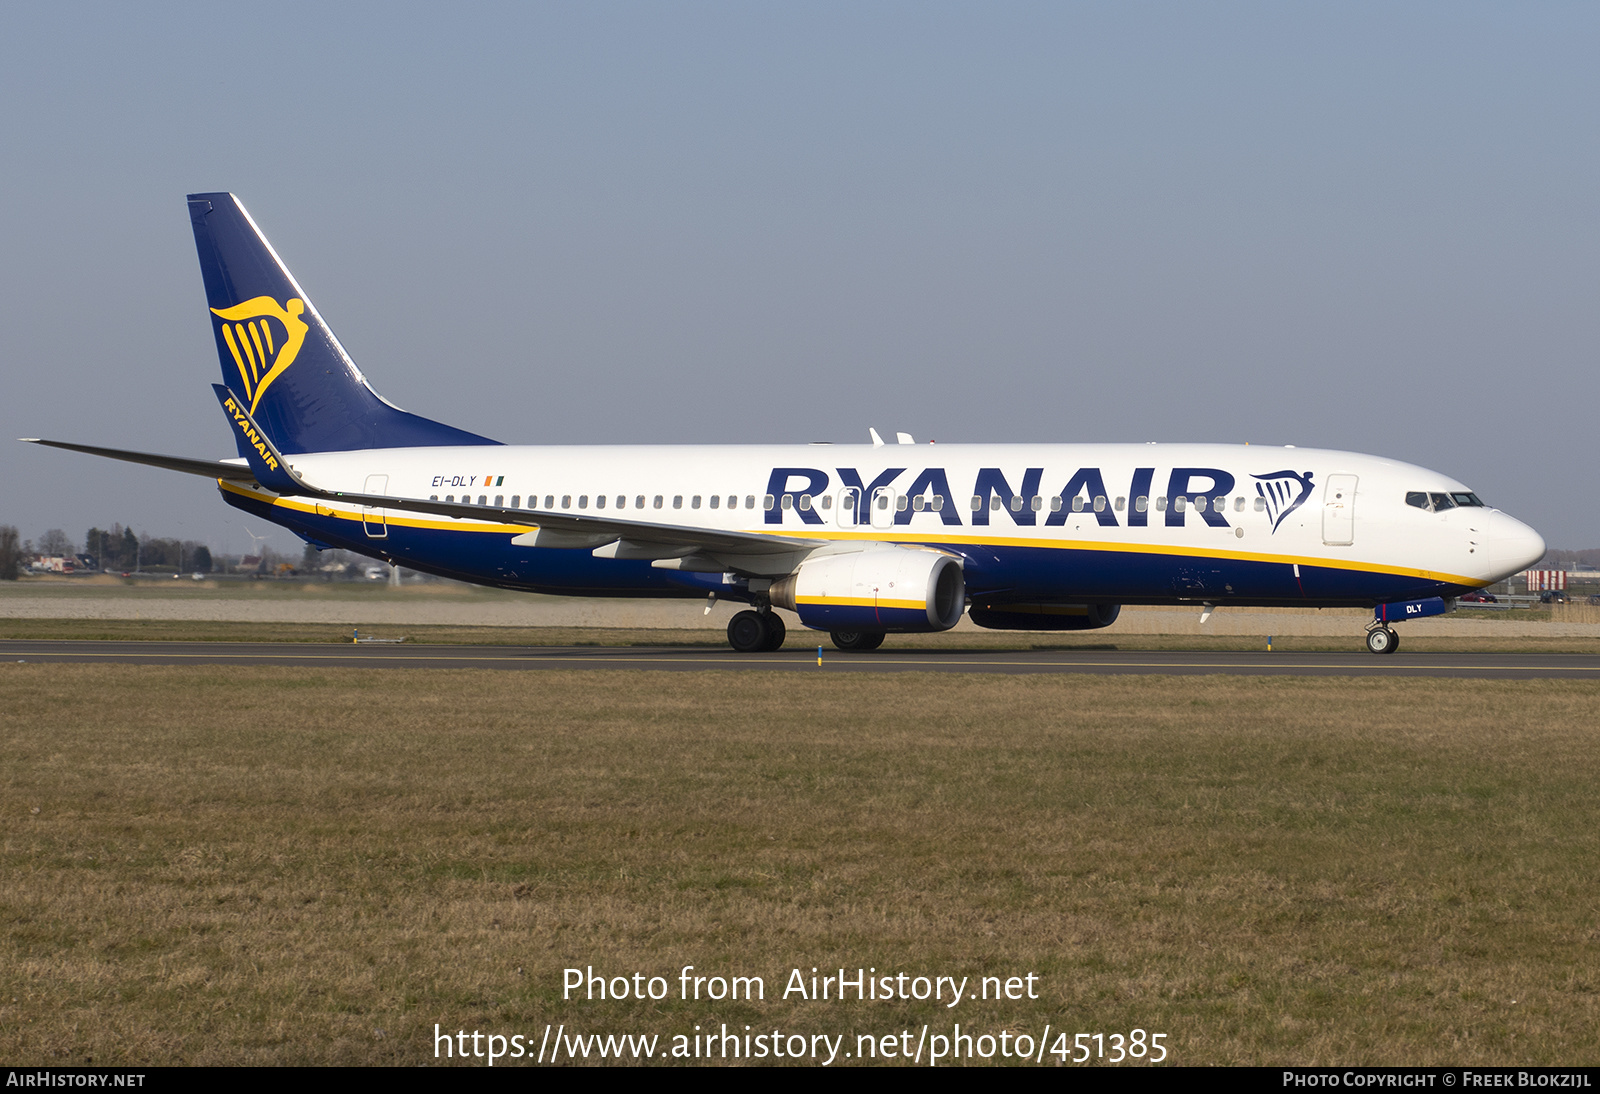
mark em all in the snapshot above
pixel 1382 640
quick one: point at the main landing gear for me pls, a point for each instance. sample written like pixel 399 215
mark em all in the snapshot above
pixel 756 631
pixel 762 631
pixel 1382 639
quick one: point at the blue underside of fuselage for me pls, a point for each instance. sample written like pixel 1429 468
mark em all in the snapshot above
pixel 996 572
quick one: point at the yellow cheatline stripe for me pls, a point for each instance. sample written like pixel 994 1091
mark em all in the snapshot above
pixel 1126 548
pixel 321 509
pixel 878 536
pixel 862 602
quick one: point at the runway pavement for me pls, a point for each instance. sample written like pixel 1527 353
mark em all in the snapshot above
pixel 1493 666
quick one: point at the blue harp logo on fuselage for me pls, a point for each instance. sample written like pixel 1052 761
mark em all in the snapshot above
pixel 1284 491
pixel 264 338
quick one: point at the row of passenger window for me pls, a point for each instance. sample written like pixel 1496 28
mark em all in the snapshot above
pixel 600 501
pixel 805 502
pixel 1099 504
pixel 1437 503
pixel 1036 503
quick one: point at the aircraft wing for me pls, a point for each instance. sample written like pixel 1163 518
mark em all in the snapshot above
pixel 211 469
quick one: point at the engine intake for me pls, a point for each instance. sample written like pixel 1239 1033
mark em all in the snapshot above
pixel 877 589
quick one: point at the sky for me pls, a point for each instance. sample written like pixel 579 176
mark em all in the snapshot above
pixel 1372 227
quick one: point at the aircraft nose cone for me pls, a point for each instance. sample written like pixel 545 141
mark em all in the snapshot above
pixel 1513 545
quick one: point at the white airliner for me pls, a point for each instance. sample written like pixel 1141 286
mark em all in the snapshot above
pixel 856 540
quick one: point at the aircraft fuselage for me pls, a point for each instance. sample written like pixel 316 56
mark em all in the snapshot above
pixel 1129 524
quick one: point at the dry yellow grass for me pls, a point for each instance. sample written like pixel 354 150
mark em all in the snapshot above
pixel 236 866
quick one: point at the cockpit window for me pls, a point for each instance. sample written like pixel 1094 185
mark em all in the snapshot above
pixel 1438 503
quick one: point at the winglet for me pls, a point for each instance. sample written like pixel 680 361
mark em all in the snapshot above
pixel 266 462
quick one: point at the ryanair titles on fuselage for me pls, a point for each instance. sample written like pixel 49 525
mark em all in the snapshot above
pixel 1205 490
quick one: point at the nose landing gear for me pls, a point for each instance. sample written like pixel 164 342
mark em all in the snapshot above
pixel 1382 639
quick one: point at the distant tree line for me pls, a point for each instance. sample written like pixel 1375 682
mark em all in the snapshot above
pixel 10 553
pixel 110 547
pixel 117 548
pixel 114 548
pixel 1559 559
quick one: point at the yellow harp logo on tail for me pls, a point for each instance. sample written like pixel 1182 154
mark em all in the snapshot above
pixel 264 339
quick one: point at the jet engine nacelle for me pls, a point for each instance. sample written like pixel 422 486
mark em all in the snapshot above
pixel 878 589
pixel 1034 615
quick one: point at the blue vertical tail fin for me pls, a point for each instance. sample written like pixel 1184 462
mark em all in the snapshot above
pixel 280 359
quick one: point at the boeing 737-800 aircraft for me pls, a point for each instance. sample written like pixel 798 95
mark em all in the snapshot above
pixel 856 540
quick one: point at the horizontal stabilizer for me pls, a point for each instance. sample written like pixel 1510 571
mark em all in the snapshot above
pixel 211 469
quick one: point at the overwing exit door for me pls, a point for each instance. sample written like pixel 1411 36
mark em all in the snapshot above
pixel 883 500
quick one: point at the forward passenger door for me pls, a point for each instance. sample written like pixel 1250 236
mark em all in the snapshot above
pixel 1339 511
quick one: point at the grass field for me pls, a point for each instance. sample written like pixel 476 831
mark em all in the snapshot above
pixel 209 865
